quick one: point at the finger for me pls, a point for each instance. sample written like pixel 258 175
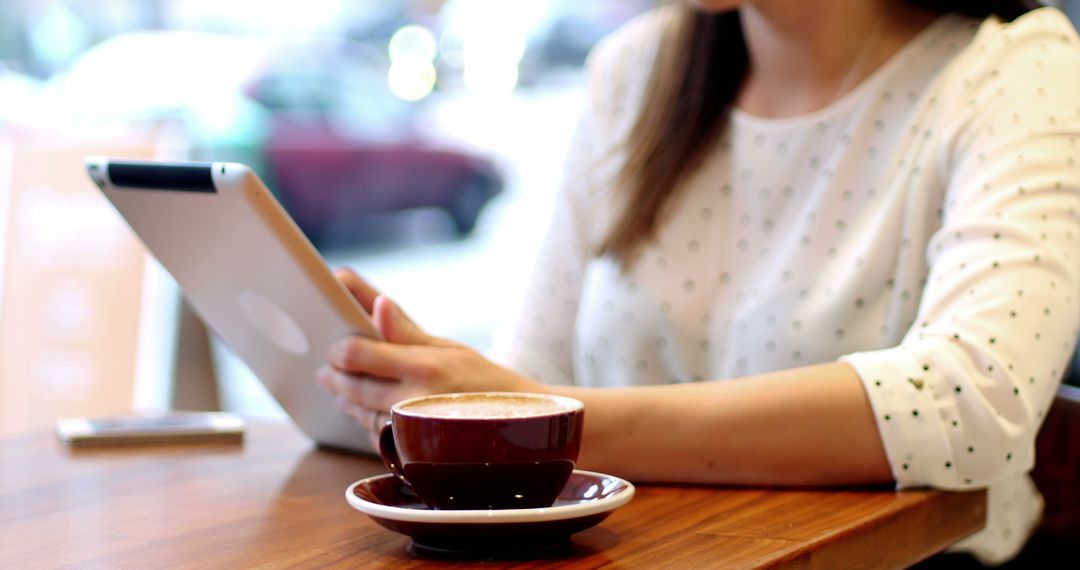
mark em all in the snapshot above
pixel 323 377
pixel 360 289
pixel 371 393
pixel 397 327
pixel 367 357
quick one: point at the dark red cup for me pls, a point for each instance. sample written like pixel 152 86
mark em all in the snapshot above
pixel 455 455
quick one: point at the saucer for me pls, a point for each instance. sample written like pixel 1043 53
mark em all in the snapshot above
pixel 587 499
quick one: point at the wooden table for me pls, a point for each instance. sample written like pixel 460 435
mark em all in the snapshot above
pixel 276 501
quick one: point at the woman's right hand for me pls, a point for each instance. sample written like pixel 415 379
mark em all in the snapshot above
pixel 369 375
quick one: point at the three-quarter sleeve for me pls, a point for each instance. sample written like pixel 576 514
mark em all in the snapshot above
pixel 959 402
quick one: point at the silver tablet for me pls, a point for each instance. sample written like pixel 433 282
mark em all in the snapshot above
pixel 249 273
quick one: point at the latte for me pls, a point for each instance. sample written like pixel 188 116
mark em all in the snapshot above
pixel 489 406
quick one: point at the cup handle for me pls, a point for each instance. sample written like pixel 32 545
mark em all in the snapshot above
pixel 388 451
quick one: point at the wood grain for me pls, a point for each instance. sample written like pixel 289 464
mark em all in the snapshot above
pixel 277 502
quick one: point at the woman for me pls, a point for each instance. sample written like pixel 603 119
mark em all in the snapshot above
pixel 799 243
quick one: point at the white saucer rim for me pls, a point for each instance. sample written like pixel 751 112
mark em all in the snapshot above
pixel 495 516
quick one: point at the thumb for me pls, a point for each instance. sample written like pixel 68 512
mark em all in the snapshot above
pixel 395 326
pixel 360 289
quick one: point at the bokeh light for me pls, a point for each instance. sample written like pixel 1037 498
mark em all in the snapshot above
pixel 413 41
pixel 411 77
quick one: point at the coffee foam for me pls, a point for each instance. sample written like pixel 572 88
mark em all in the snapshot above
pixel 487 406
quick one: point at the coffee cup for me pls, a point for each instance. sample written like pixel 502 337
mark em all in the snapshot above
pixel 484 450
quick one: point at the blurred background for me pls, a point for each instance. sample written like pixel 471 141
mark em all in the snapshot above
pixel 417 141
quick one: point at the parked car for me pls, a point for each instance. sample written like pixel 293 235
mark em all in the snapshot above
pixel 315 119
pixel 341 148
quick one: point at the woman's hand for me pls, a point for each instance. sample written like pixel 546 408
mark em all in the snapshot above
pixel 368 376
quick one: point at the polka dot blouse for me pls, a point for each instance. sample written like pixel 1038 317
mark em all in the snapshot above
pixel 923 228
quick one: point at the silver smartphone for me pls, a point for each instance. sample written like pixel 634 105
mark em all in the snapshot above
pixel 167 427
pixel 249 273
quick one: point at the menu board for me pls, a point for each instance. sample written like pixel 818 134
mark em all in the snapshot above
pixel 71 285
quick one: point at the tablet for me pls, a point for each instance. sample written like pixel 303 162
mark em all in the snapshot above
pixel 249 273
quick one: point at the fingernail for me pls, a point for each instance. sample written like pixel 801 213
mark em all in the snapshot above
pixel 398 313
pixel 390 305
pixel 342 403
pixel 322 378
pixel 337 352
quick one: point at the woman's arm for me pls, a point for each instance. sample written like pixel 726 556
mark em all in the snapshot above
pixel 805 426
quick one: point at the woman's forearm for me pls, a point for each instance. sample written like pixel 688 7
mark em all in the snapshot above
pixel 805 426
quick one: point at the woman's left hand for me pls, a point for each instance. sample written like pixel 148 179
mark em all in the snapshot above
pixel 368 376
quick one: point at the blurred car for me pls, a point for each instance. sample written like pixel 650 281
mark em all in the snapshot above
pixel 341 148
pixel 315 118
pixel 576 27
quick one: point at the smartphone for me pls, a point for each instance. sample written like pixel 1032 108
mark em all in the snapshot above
pixel 167 427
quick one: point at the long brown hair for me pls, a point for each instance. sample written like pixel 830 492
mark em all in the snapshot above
pixel 698 72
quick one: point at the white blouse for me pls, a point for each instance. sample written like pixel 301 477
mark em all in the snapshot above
pixel 923 228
